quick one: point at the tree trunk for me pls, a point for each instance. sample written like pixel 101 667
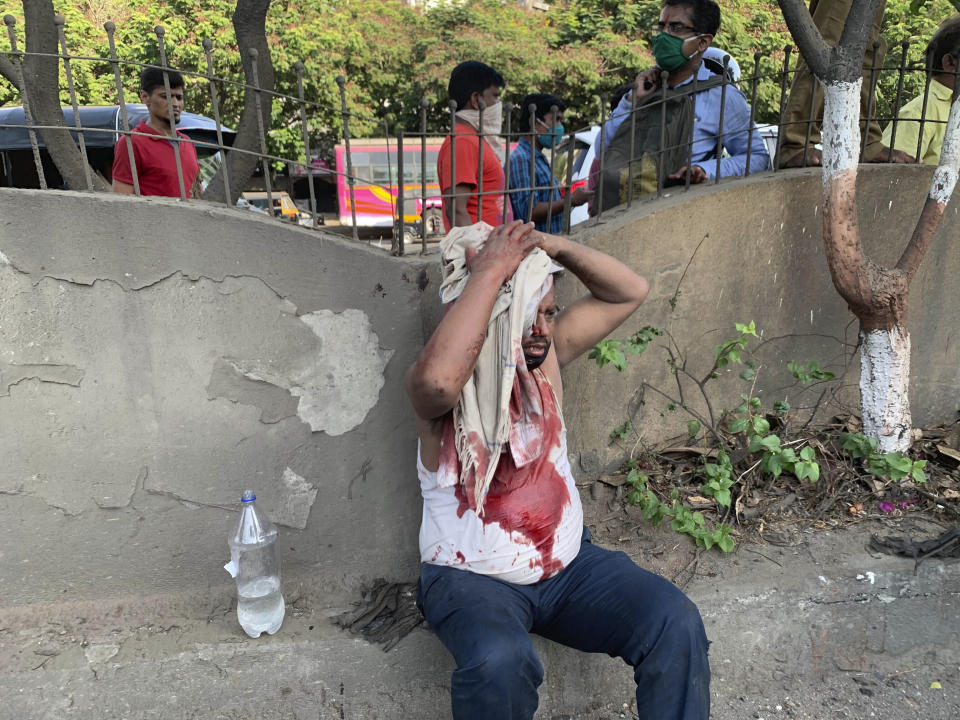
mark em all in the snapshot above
pixel 884 387
pixel 876 295
pixel 39 84
pixel 250 26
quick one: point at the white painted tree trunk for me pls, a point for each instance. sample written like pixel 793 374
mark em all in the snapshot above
pixel 885 386
pixel 884 354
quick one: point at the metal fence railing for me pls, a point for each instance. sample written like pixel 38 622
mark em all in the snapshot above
pixel 407 183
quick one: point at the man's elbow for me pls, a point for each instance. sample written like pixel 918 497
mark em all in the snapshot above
pixel 639 292
pixel 430 396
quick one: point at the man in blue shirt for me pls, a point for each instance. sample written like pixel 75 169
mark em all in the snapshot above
pixel 544 201
pixel 684 32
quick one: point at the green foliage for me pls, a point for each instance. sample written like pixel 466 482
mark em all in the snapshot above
pixel 683 519
pixel 808 374
pixel 621 432
pixel 892 466
pixel 609 352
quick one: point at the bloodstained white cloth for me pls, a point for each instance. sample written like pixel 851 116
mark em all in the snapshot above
pixel 482 417
pixel 533 518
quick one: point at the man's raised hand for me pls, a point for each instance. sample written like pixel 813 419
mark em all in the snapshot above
pixel 503 251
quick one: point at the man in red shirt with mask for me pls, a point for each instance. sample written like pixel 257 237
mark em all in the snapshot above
pixel 479 181
pixel 154 149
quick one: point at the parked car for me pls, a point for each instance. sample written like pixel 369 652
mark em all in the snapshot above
pixel 283 205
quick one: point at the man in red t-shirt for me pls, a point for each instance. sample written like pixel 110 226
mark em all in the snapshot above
pixel 155 156
pixel 472 83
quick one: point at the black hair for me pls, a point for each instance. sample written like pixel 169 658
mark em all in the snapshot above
pixel 471 77
pixel 544 102
pixel 706 14
pixel 945 41
pixel 152 77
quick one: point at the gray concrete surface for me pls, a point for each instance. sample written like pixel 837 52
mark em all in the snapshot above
pixel 821 629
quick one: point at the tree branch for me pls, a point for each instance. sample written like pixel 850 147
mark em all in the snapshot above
pixel 941 189
pixel 808 38
pixel 856 29
pixel 9 71
pixel 250 28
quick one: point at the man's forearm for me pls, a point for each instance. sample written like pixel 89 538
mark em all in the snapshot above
pixel 607 279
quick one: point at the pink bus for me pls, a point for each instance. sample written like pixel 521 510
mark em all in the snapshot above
pixel 375 188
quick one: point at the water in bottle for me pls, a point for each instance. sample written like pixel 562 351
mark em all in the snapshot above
pixel 255 565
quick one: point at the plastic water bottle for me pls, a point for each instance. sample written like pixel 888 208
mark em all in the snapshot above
pixel 255 565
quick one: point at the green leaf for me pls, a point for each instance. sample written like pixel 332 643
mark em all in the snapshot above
pixel 781 407
pixel 748 374
pixel 693 427
pixel 739 425
pixel 807 453
pixel 748 329
pixel 755 403
pixel 723 497
pixel 760 425
pixel 726 543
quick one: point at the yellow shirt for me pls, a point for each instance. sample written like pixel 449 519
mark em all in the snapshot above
pixel 934 125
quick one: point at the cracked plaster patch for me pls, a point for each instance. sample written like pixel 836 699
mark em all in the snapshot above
pixel 335 381
pixel 342 383
pixel 13 373
pixel 296 497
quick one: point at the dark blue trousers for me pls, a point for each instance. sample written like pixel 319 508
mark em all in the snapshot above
pixel 601 602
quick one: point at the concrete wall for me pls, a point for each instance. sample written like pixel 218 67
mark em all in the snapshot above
pixel 157 358
pixel 762 259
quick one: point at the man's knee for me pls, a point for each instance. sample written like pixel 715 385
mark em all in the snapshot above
pixel 504 661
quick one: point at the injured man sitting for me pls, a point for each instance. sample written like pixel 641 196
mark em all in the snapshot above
pixel 503 549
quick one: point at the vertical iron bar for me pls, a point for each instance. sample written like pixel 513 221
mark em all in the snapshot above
pixel 393 200
pixel 10 22
pixel 424 105
pixel 598 198
pixel 508 110
pixel 723 107
pixel 298 68
pixel 633 145
pixel 693 112
pixel 813 97
pixel 215 106
pixel 553 164
pixel 400 194
pixel 753 104
pixel 480 142
pixel 923 110
pixel 870 99
pixel 127 139
pixel 59 21
pixel 783 101
pixel 254 54
pixel 663 132
pixel 904 47
pixel 175 139
pixel 532 110
pixel 341 83
pixel 452 106
pixel 567 198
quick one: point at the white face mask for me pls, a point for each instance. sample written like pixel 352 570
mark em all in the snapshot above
pixel 493 118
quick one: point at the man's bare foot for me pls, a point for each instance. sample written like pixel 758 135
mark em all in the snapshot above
pixel 814 159
pixel 899 156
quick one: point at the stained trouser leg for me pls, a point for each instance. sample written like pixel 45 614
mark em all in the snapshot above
pixel 603 602
pixel 485 625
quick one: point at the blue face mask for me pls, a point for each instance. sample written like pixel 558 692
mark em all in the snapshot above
pixel 553 138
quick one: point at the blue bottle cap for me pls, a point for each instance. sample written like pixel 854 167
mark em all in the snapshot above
pixel 248 496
